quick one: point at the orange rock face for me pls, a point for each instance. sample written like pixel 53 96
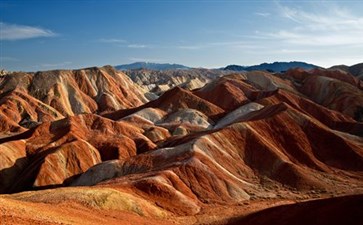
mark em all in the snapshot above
pixel 233 91
pixel 50 95
pixel 245 149
pixel 335 90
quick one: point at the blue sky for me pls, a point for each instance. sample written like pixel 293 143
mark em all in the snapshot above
pixel 42 35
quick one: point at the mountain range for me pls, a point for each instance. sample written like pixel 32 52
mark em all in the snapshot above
pixel 89 146
pixel 273 67
pixel 151 66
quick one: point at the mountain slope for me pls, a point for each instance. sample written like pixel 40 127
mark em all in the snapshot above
pixel 241 145
pixel 341 210
pixel 335 90
pixel 157 82
pixel 356 70
pixel 48 95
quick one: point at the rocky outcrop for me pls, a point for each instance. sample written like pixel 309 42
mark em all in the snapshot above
pixel 159 81
pixel 55 152
pixel 51 95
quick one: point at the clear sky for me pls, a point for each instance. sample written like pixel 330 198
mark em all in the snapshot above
pixel 49 34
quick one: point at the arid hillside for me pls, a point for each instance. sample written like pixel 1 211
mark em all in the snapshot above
pixel 91 146
pixel 31 98
pixel 156 82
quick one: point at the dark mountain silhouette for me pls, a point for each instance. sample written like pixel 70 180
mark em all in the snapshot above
pixel 272 67
pixel 151 66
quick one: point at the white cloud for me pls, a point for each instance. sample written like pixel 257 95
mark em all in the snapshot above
pixel 111 40
pixel 263 14
pixel 328 26
pixel 319 32
pixel 19 32
pixel 321 39
pixel 137 46
pixel 191 47
pixel 225 44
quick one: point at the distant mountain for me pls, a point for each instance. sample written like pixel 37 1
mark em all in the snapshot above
pixel 151 66
pixel 356 70
pixel 272 67
pixel 235 68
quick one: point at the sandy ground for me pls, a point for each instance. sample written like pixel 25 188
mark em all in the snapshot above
pixel 20 212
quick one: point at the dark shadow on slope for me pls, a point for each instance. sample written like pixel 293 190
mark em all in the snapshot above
pixel 345 210
pixel 9 175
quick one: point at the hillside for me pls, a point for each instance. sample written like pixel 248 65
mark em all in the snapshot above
pixel 356 70
pixel 159 81
pixel 246 148
pixel 30 98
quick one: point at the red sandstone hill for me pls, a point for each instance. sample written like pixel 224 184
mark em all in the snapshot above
pixel 335 90
pixel 49 95
pixel 19 111
pixel 173 100
pixel 232 89
pixel 356 70
pixel 84 147
pixel 57 151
